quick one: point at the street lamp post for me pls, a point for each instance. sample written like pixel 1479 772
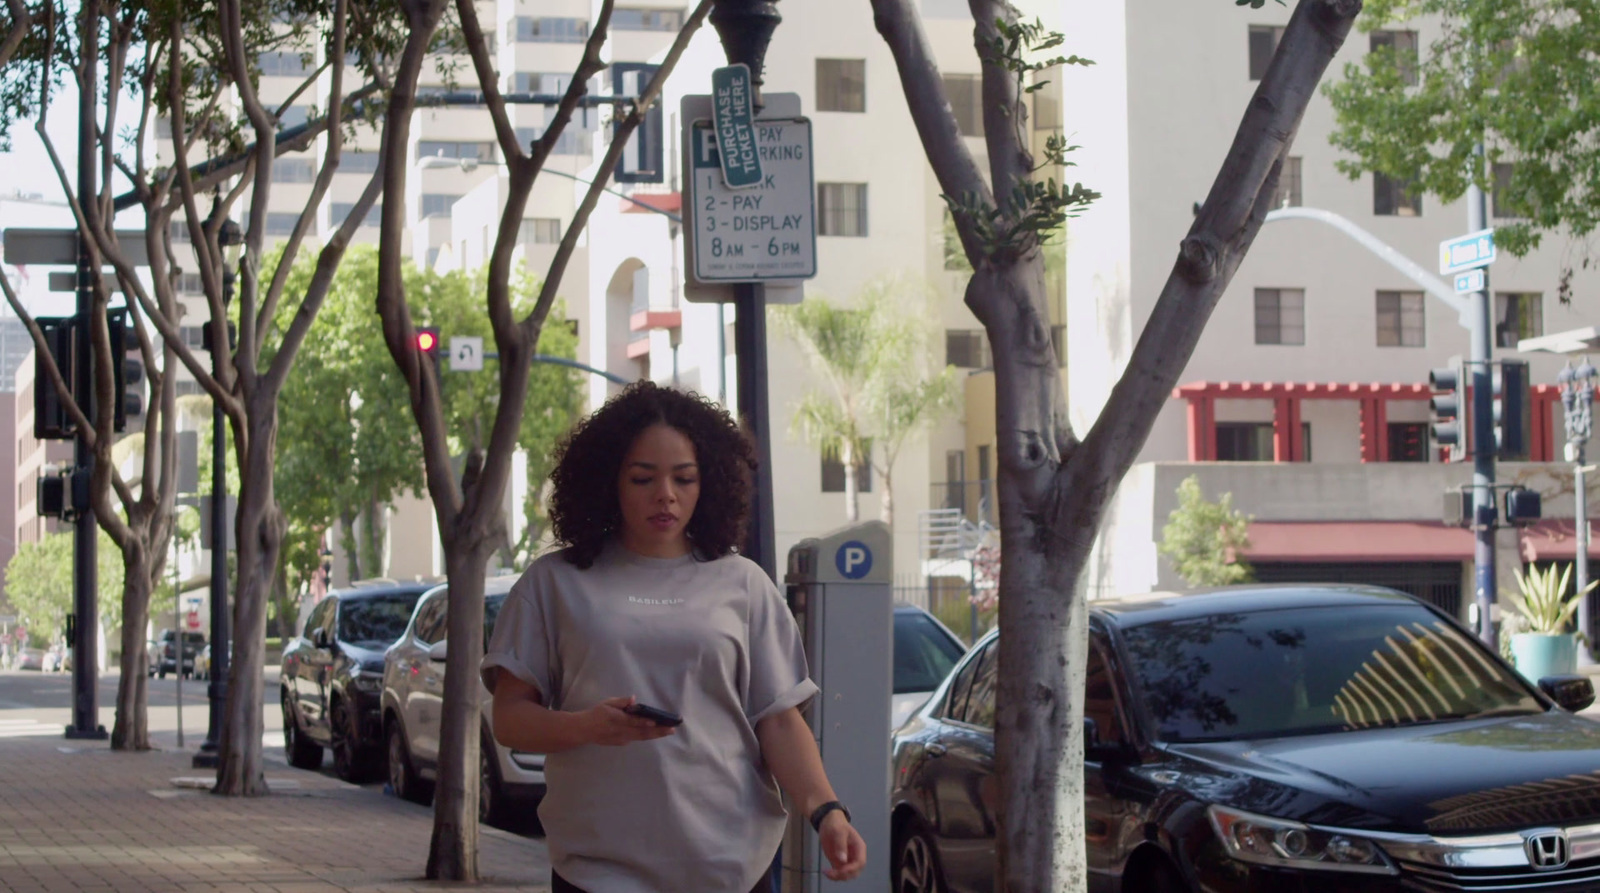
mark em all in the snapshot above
pixel 1577 398
pixel 231 239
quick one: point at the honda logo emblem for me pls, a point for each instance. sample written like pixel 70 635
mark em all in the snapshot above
pixel 1547 849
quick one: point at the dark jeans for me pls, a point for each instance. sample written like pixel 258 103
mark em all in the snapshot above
pixel 559 884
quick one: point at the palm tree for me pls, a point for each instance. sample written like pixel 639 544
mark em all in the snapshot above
pixel 879 385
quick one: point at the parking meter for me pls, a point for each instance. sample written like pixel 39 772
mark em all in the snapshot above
pixel 840 589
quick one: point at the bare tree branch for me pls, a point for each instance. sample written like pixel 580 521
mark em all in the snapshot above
pixel 21 23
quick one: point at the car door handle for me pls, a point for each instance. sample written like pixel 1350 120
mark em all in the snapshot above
pixel 935 749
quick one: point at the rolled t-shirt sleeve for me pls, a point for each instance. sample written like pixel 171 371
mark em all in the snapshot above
pixel 779 678
pixel 523 643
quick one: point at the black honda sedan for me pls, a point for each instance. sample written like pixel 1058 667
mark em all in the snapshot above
pixel 1302 738
pixel 332 677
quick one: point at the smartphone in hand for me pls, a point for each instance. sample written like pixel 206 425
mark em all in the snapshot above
pixel 654 714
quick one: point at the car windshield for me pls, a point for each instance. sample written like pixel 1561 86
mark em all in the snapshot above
pixel 377 621
pixel 923 653
pixel 1306 670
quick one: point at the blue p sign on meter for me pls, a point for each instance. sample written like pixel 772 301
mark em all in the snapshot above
pixel 854 560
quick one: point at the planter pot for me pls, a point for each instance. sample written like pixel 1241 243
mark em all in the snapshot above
pixel 1544 654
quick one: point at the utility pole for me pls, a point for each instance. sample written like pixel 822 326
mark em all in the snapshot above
pixel 1481 374
pixel 85 609
pixel 745 28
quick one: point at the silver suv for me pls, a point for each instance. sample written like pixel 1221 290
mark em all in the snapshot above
pixel 413 702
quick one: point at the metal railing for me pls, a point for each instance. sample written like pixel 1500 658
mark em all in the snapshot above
pixel 973 499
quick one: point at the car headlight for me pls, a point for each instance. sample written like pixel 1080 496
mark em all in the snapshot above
pixel 367 678
pixel 1285 844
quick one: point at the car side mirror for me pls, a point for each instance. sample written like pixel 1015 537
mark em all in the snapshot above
pixel 439 650
pixel 1571 693
pixel 1096 750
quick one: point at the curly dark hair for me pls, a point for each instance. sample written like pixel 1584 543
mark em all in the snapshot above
pixel 584 505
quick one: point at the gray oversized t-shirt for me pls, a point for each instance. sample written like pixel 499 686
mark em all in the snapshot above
pixel 711 641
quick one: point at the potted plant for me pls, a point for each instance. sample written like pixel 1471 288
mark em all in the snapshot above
pixel 1546 646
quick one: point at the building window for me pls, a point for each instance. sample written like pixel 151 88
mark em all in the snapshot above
pixel 573 140
pixel 1280 316
pixel 841 209
pixel 841 85
pixel 1394 198
pixel 1047 102
pixel 546 82
pixel 1501 197
pixel 189 283
pixel 1403 45
pixel 281 223
pixel 541 230
pixel 965 92
pixel 627 19
pixel 967 349
pixel 437 203
pixel 275 64
pixel 546 29
pixel 1288 194
pixel 341 210
pixel 294 116
pixel 1244 442
pixel 1408 441
pixel 179 231
pixel 293 170
pixel 427 96
pixel 1401 320
pixel 1263 43
pixel 833 474
pixel 1517 315
pixel 447 149
pixel 357 161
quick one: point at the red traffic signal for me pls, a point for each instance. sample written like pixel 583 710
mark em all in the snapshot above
pixel 428 340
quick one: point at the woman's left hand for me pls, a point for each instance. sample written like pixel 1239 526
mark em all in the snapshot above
pixel 843 846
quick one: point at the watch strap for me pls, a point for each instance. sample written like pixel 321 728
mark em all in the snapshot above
pixel 821 812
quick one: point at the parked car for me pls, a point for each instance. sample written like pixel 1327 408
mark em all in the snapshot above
pixel 1315 738
pixel 28 659
pixel 924 652
pixel 167 649
pixel 331 677
pixel 413 689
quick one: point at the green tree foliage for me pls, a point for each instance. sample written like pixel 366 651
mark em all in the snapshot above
pixel 39 585
pixel 347 444
pixel 878 387
pixel 1204 539
pixel 1518 77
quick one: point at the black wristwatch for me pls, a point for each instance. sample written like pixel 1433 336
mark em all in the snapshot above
pixel 821 812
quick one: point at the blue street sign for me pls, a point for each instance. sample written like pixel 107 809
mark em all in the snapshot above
pixel 1466 252
pixel 733 115
pixel 1470 282
pixel 854 560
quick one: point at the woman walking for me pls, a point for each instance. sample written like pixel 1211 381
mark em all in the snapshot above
pixel 647 605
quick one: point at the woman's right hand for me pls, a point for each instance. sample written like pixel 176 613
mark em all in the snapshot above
pixel 606 724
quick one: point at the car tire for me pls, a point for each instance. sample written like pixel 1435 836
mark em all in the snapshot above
pixel 351 761
pixel 302 751
pixel 916 863
pixel 492 806
pixel 1162 877
pixel 402 776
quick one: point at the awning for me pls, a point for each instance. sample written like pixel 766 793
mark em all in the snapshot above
pixel 1357 541
pixel 1364 541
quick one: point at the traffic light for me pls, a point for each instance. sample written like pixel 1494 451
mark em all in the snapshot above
pixel 428 345
pixel 1513 422
pixel 1452 410
pixel 51 420
pixel 127 361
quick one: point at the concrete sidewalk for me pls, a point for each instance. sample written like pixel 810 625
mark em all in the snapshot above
pixel 76 816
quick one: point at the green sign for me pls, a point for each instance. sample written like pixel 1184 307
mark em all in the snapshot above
pixel 733 115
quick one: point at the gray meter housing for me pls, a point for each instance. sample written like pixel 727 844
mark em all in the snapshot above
pixel 840 588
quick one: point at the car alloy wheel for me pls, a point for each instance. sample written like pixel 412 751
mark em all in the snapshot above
pixel 303 753
pixel 346 741
pixel 402 778
pixel 914 867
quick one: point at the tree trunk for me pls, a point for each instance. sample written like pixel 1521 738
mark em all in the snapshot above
pixel 372 527
pixel 260 530
pixel 886 508
pixel 453 851
pixel 352 547
pixel 852 492
pixel 131 731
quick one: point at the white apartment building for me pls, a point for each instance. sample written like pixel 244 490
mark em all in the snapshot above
pixel 1306 397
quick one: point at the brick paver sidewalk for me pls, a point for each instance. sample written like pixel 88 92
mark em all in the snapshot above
pixel 75 816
